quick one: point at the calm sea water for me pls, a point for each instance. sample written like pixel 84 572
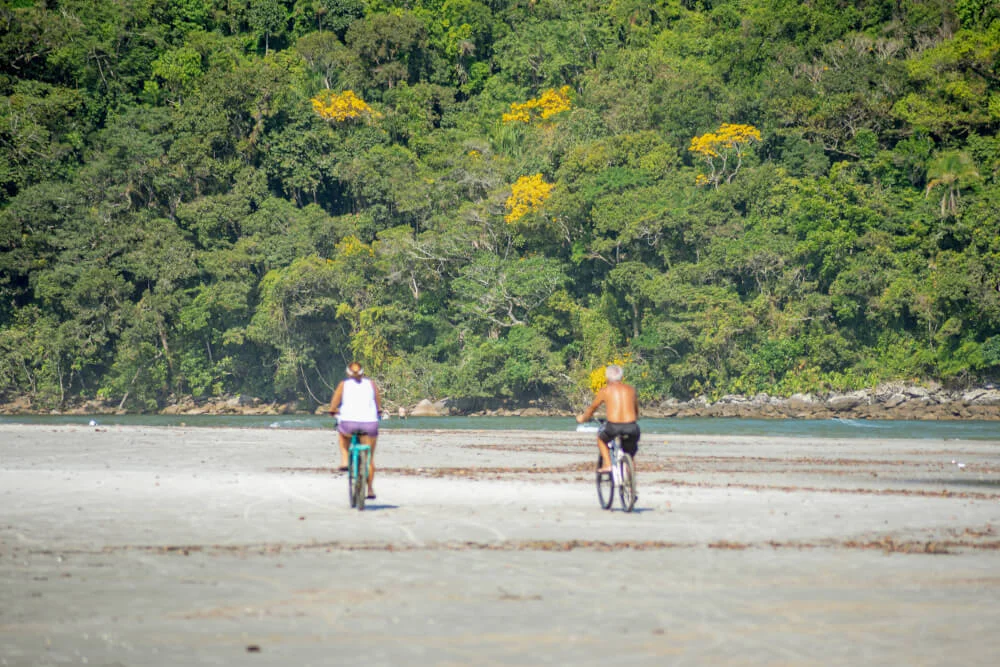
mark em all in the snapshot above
pixel 799 428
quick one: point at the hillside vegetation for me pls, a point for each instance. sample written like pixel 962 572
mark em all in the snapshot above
pixel 492 199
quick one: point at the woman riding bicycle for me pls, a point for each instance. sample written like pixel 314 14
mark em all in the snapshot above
pixel 622 405
pixel 356 400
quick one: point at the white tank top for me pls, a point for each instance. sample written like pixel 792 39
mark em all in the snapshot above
pixel 357 403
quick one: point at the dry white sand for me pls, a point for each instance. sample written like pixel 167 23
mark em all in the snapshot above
pixel 178 546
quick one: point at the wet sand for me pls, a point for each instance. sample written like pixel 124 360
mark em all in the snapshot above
pixel 169 546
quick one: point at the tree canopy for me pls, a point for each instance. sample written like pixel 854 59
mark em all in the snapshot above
pixel 494 198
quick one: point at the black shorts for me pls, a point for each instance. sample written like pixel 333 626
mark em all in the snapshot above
pixel 629 434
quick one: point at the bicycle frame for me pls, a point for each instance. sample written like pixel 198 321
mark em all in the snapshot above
pixel 620 478
pixel 355 450
pixel 617 454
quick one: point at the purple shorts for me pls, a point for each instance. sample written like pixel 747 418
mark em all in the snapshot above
pixel 367 428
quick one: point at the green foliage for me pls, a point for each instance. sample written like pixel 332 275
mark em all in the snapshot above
pixel 176 219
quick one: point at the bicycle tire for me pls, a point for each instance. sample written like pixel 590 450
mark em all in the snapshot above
pixel 626 491
pixel 605 487
pixel 361 482
pixel 351 495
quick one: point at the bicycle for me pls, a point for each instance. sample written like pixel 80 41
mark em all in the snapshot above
pixel 622 476
pixel 357 475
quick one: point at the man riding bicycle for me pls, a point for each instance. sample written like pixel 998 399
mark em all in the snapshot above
pixel 622 405
pixel 356 400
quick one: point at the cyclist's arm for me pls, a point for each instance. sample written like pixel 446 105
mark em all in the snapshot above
pixel 589 412
pixel 338 396
pixel 378 400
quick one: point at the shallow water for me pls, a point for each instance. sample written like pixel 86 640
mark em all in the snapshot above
pixel 796 428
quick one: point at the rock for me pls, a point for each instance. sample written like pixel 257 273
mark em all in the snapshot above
pixel 801 402
pixel 426 408
pixel 845 402
pixel 988 397
pixel 894 401
pixel 668 410
pixel 21 404
pixel 969 397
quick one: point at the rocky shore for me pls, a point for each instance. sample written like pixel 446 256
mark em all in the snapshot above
pixel 890 401
pixel 883 402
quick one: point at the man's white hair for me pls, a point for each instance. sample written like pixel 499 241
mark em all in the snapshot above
pixel 614 373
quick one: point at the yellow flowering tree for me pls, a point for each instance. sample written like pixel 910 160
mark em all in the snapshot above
pixel 527 196
pixel 351 246
pixel 342 107
pixel 723 151
pixel 598 379
pixel 543 107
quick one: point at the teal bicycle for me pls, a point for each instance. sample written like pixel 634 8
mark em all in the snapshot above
pixel 357 476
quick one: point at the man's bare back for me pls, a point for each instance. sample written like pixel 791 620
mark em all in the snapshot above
pixel 620 401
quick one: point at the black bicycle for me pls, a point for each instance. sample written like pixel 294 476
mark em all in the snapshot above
pixel 622 477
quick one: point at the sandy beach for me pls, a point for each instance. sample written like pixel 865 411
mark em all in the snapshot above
pixel 212 546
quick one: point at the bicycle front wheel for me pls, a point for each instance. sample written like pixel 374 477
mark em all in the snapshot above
pixel 361 481
pixel 626 491
pixel 351 479
pixel 605 487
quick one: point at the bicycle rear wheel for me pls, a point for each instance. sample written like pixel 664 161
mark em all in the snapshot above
pixel 351 467
pixel 605 487
pixel 361 481
pixel 626 492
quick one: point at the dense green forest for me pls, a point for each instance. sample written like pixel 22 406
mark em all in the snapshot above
pixel 493 198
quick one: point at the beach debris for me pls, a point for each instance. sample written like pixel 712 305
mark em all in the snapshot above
pixel 93 422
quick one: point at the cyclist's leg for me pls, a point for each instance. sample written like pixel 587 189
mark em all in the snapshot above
pixel 345 444
pixel 605 455
pixel 370 441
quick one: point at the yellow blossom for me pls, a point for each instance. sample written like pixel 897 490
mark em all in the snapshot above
pixel 351 246
pixel 546 105
pixel 598 378
pixel 527 196
pixel 718 148
pixel 341 107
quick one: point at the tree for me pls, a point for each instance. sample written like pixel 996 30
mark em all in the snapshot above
pixel 498 293
pixel 718 148
pixel 267 18
pixel 527 196
pixel 952 171
pixel 342 107
pixel 390 45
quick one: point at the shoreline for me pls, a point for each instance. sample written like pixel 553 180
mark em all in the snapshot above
pixel 889 402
